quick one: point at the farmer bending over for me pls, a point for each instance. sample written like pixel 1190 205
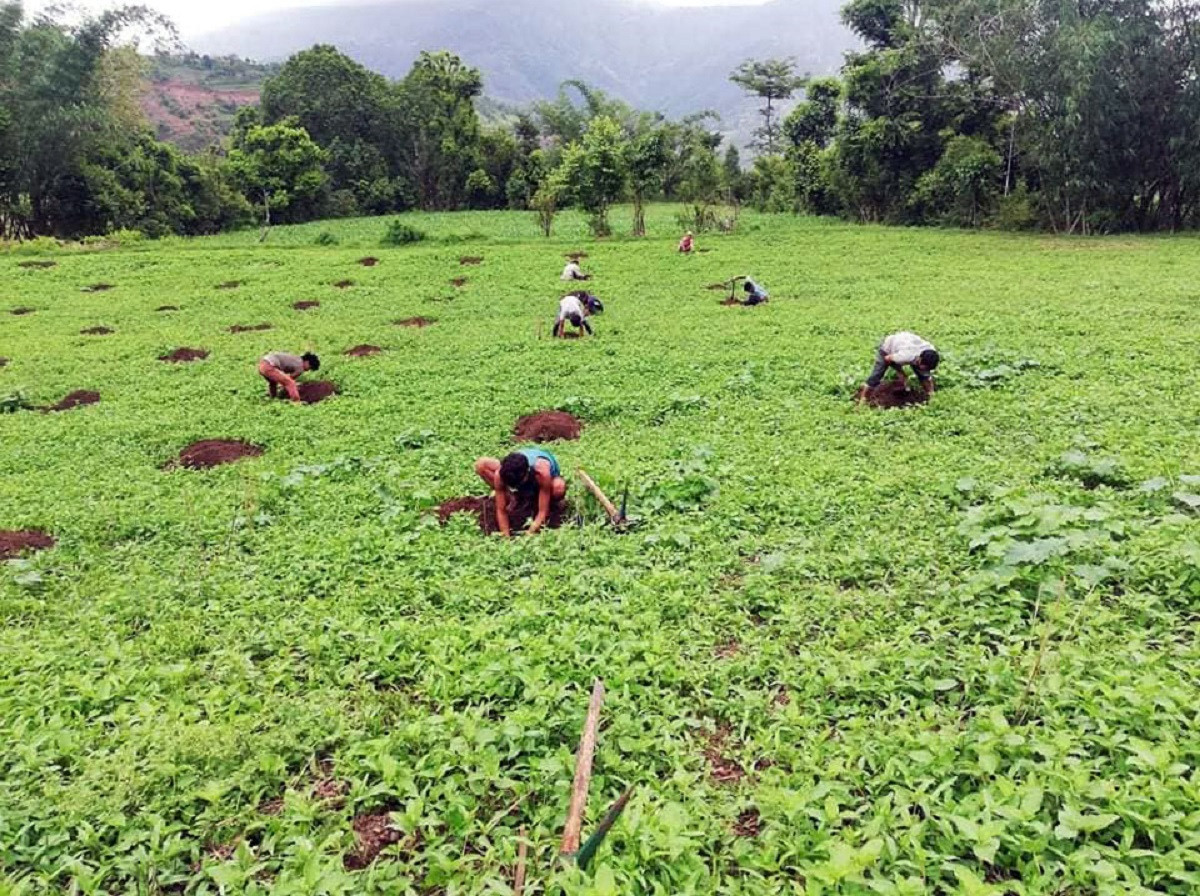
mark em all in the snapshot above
pixel 898 350
pixel 281 369
pixel 526 470
pixel 574 272
pixel 687 244
pixel 755 294
pixel 576 307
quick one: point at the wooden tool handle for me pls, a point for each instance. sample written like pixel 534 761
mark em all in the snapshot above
pixel 609 507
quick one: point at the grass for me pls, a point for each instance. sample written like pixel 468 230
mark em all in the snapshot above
pixel 942 650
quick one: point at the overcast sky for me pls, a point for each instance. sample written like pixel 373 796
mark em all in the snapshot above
pixel 200 16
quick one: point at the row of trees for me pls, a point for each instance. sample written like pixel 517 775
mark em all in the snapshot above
pixel 1070 115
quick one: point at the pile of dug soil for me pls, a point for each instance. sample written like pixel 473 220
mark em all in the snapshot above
pixel 229 284
pixel 3 362
pixel 37 265
pixel 15 543
pixel 732 300
pixel 547 426
pixel 313 391
pixel 214 452
pixel 459 282
pixel 363 351
pixel 20 311
pixel 372 834
pixel 890 394
pixel 183 355
pixel 167 308
pixel 470 259
pixel 238 328
pixel 304 306
pixel 415 322
pixel 720 286
pixel 368 262
pixel 96 331
pixel 522 509
pixel 76 399
pixel 97 287
pixel 344 284
pixel 576 256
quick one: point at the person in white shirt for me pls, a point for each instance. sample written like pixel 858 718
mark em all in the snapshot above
pixel 898 351
pixel 576 308
pixel 574 272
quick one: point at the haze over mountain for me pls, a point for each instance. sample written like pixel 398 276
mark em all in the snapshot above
pixel 673 60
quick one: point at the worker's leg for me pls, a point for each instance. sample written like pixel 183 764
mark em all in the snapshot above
pixel 488 469
pixel 877 372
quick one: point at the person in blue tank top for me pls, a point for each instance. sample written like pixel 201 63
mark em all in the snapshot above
pixel 525 470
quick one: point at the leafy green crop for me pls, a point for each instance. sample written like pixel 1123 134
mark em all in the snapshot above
pixel 947 649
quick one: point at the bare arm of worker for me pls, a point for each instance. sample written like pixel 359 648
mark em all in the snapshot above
pixel 502 508
pixel 289 383
pixel 928 384
pixel 545 482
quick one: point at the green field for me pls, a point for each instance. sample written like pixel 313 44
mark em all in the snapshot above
pixel 949 649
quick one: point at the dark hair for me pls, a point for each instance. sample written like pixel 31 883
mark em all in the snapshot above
pixel 314 363
pixel 930 359
pixel 594 304
pixel 748 286
pixel 514 470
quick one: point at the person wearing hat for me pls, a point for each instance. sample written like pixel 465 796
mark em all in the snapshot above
pixel 576 308
pixel 755 294
pixel 280 370
pixel 574 272
pixel 687 244
pixel 897 351
pixel 526 470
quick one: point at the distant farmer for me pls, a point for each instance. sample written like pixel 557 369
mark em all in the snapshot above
pixel 687 244
pixel 574 272
pixel 755 294
pixel 281 370
pixel 575 308
pixel 900 350
pixel 526 471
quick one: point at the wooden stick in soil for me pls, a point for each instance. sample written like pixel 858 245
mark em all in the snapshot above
pixel 522 855
pixel 583 773
pixel 610 508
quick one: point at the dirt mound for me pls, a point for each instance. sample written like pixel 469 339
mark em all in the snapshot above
pixel 470 259
pixel 182 355
pixel 363 351
pixel 891 394
pixel 731 301
pixel 344 284
pixel 547 426
pixel 459 282
pixel 304 306
pixel 3 362
pixel 748 824
pixel 720 286
pixel 214 452
pixel 372 834
pixel 239 328
pixel 14 543
pixel 314 390
pixel 415 322
pixel 96 331
pixel 20 311
pixel 368 262
pixel 576 256
pixel 36 265
pixel 230 284
pixel 98 287
pixel 76 399
pixel 167 308
pixel 522 509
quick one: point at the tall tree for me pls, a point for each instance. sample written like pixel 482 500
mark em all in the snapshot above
pixel 595 172
pixel 771 80
pixel 280 165
pixel 645 158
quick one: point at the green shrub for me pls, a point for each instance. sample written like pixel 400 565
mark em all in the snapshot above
pixel 399 234
pixel 325 238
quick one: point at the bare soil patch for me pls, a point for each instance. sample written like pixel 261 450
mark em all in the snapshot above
pixel 36 265
pixel 522 508
pixel 183 355
pixel 728 650
pixel 724 769
pixel 373 833
pixel 470 259
pixel 344 284
pixel 167 308
pixel 891 394
pixel 13 543
pixel 304 306
pixel 314 391
pixel 576 256
pixel 368 262
pixel 459 282
pixel 363 351
pixel 20 311
pixel 251 328
pixel 3 362
pixel 720 286
pixel 230 284
pixel 547 426
pixel 96 331
pixel 732 300
pixel 98 287
pixel 748 824
pixel 416 322
pixel 214 452
pixel 76 399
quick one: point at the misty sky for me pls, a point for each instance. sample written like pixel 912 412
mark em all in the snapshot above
pixel 199 16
